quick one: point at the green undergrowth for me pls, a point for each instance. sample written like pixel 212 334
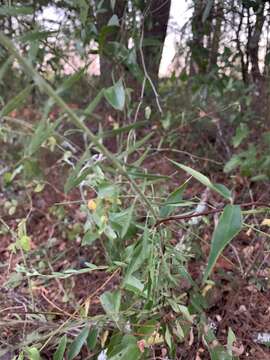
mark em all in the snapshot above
pixel 125 210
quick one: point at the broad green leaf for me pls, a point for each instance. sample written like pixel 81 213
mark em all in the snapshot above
pixel 111 302
pixel 16 10
pixel 25 243
pixel 135 285
pixel 233 163
pixel 16 102
pixel 89 238
pixel 92 338
pixel 229 225
pixel 78 343
pixel 33 354
pixel 126 350
pixel 219 188
pixel 115 95
pixel 59 354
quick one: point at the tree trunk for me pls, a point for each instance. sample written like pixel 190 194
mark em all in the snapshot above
pixel 253 43
pixel 201 33
pixel 217 35
pixel 103 17
pixel 155 18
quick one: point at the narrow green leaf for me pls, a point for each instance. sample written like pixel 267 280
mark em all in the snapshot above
pixel 43 131
pixel 92 338
pixel 78 343
pixel 16 102
pixel 229 225
pixel 175 197
pixel 36 35
pixel 16 10
pixel 219 188
pixel 115 95
pixel 59 354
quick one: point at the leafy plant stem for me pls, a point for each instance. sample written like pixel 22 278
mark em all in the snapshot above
pixel 43 84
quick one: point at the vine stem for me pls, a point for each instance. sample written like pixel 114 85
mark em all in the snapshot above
pixel 46 87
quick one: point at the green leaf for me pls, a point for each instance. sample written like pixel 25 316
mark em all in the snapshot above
pixel 233 163
pixel 16 10
pixel 16 102
pixel 242 132
pixel 78 343
pixel 33 354
pixel 25 243
pixel 219 188
pixel 230 340
pixel 92 338
pixel 43 131
pixel 115 95
pixel 138 256
pixel 111 302
pixel 175 197
pixel 126 350
pixel 36 35
pixel 229 225
pixel 89 238
pixel 59 354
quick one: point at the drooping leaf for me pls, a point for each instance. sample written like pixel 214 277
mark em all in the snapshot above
pixel 78 343
pixel 229 225
pixel 16 102
pixel 219 188
pixel 115 95
pixel 59 354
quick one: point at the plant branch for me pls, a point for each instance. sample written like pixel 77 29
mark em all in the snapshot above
pixel 205 213
pixel 44 85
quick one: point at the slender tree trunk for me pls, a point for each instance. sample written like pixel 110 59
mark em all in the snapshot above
pixel 253 43
pixel 155 18
pixel 103 17
pixel 216 35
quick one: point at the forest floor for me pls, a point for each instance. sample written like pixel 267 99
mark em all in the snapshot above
pixel 240 300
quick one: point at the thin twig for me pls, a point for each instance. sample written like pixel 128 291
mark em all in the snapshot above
pixel 205 213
